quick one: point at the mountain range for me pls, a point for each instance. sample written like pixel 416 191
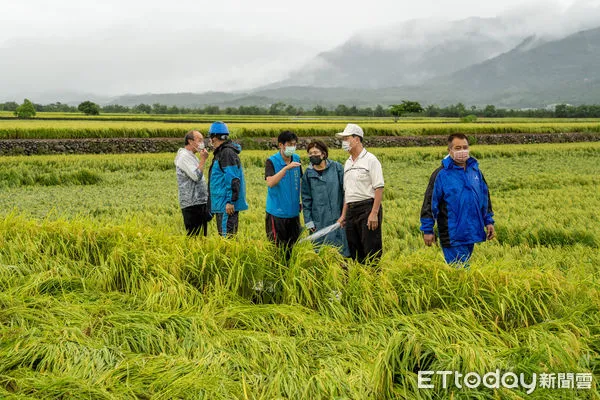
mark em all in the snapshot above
pixel 476 61
pixel 477 69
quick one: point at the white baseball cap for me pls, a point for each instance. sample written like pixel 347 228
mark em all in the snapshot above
pixel 351 129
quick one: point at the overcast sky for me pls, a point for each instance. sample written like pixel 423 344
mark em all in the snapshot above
pixel 321 23
pixel 140 46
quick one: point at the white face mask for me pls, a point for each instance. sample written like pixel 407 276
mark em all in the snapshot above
pixel 289 150
pixel 201 146
pixel 346 146
pixel 460 156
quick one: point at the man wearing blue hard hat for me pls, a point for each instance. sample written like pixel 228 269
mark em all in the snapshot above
pixel 226 187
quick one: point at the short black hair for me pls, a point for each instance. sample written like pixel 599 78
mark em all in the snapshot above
pixel 189 137
pixel 286 136
pixel 457 136
pixel 219 136
pixel 319 144
pixel 360 137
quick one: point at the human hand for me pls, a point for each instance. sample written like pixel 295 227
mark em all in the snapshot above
pixel 229 209
pixel 429 239
pixel 342 221
pixel 293 164
pixel 491 231
pixel 372 221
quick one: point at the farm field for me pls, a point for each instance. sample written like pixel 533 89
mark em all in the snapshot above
pixel 58 116
pixel 243 126
pixel 103 297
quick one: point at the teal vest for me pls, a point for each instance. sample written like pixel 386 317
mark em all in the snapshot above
pixel 283 199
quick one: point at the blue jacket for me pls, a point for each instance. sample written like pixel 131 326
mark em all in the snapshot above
pixel 283 199
pixel 323 200
pixel 226 179
pixel 459 200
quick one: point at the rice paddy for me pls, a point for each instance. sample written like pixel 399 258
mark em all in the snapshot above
pixel 103 297
pixel 160 126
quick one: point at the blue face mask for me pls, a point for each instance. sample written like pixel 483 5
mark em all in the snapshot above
pixel 289 150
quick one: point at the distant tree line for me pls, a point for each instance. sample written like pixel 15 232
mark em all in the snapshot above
pixel 406 108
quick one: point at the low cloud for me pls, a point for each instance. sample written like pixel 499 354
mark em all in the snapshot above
pixel 127 60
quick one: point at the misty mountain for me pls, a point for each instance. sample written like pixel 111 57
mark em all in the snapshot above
pixel 528 59
pixel 409 53
pixel 413 52
pixel 561 71
pixel 175 99
pixel 532 74
pixel 304 96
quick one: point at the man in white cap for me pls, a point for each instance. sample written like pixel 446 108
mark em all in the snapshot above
pixel 362 214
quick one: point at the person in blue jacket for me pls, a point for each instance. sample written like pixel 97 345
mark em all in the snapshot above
pixel 283 172
pixel 323 195
pixel 458 199
pixel 226 185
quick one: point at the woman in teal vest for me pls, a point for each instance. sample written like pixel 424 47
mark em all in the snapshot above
pixel 323 195
pixel 283 172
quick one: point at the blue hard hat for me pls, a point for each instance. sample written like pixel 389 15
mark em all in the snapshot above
pixel 218 128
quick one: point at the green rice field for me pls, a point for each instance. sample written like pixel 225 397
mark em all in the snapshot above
pixel 103 297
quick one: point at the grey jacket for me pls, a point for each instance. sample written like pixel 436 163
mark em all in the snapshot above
pixel 192 185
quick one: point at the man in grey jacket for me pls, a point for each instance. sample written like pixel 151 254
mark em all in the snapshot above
pixel 193 191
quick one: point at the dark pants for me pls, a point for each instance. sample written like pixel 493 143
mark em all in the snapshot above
pixel 227 225
pixel 284 232
pixel 364 244
pixel 195 218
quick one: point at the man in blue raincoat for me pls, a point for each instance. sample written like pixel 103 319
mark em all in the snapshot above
pixel 227 187
pixel 458 199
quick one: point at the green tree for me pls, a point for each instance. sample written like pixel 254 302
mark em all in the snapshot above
pixel 561 111
pixel 9 106
pixel 366 112
pixel 320 110
pixel 489 111
pixel 379 111
pixel 276 108
pixel 290 110
pixel 461 110
pixel 115 108
pixel 213 110
pixel 432 111
pixel 25 110
pixel 341 109
pixel 89 108
pixel 158 108
pixel 142 109
pixel 405 107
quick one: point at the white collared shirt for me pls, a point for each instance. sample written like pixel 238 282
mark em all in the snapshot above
pixel 362 177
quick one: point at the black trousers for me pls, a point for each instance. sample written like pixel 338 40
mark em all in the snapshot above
pixel 364 244
pixel 195 218
pixel 284 232
pixel 227 225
